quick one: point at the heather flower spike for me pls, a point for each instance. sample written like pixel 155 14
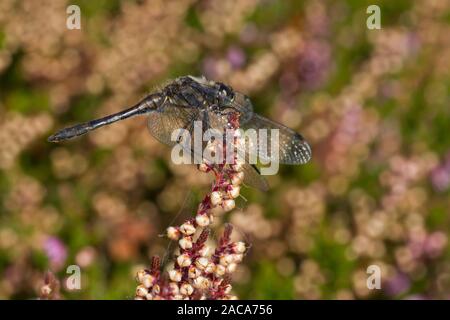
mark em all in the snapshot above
pixel 198 272
pixel 51 288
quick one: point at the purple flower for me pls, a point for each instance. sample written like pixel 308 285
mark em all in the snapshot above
pixel 209 67
pixel 440 178
pixel 236 57
pixel 314 64
pixel 56 252
pixel 398 284
pixel 440 175
pixel 434 244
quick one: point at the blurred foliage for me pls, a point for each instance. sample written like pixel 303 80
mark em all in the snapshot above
pixel 373 104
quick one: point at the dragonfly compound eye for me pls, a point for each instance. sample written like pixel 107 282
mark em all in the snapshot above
pixel 225 91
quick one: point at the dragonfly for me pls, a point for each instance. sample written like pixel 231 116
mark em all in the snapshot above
pixel 190 99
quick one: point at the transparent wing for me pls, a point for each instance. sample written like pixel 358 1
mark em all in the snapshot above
pixel 291 146
pixel 163 122
pixel 252 178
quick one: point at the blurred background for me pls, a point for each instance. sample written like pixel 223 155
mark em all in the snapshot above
pixel 374 104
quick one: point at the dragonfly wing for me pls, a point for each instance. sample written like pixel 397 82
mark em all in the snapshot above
pixel 164 121
pixel 292 147
pixel 252 178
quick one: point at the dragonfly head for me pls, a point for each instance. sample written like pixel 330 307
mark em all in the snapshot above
pixel 211 91
pixel 225 94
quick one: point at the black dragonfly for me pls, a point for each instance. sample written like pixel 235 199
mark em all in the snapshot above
pixel 188 99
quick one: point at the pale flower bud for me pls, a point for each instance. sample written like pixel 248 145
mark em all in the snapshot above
pixel 202 220
pixel 201 263
pixel 226 259
pixel 156 289
pixel 187 228
pixel 237 166
pixel 216 198
pixel 185 243
pixel 228 205
pixel 203 167
pixel 201 283
pixel 238 257
pixel 147 280
pixel 227 289
pixel 234 191
pixel 149 296
pixel 184 260
pixel 194 272
pixel 173 233
pixel 231 267
pixel 140 275
pixel 186 289
pixel 210 267
pixel 220 270
pixel 141 291
pixel 239 247
pixel 46 290
pixel 237 178
pixel 175 275
pixel 205 251
pixel 174 289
